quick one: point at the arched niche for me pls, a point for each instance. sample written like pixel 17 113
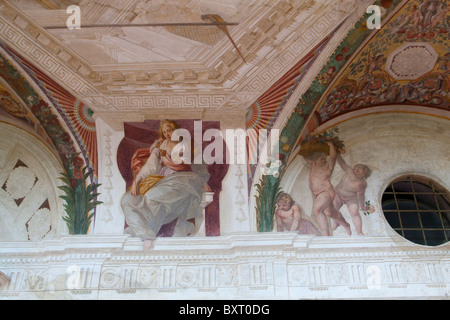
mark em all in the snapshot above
pixel 140 135
pixel 30 208
pixel 392 144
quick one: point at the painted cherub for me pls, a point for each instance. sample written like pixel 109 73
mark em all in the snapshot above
pixel 439 16
pixel 323 192
pixel 350 191
pixel 288 217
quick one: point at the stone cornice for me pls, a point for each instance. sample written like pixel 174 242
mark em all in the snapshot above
pixel 237 266
pixel 285 245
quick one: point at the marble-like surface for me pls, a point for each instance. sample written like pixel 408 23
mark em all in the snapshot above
pixel 235 266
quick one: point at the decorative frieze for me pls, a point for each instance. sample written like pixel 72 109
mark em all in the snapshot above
pixel 248 266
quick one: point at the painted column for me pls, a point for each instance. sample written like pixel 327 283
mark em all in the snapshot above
pixel 109 218
pixel 234 215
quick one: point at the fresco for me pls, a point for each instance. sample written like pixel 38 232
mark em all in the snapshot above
pixel 404 63
pixel 67 126
pixel 15 108
pixel 323 152
pixel 263 113
pixel 289 217
pixel 330 190
pixel 41 111
pixel 75 115
pixel 161 187
pixel 386 71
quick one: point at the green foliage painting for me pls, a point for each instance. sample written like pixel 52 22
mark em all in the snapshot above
pixel 79 196
pixel 268 191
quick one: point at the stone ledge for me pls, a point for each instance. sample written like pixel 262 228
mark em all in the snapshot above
pixel 235 266
pixel 122 243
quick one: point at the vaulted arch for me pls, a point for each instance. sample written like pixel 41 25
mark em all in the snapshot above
pixel 371 69
pixel 65 121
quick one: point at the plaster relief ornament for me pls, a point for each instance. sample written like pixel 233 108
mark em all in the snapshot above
pixel 4 281
pixel 39 225
pixel 20 182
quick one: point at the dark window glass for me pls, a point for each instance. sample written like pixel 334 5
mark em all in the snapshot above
pixel 418 209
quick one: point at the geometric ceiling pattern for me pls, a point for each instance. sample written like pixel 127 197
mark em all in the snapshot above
pixel 118 68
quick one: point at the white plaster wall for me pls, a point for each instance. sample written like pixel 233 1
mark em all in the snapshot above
pixel 391 144
pixel 109 217
pixel 234 215
pixel 233 201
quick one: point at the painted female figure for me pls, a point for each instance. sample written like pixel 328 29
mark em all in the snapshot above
pixel 167 187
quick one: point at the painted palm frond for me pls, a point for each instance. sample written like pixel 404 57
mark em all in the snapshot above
pixel 268 191
pixel 79 196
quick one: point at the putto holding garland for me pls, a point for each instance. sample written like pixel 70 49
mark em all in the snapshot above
pixel 322 152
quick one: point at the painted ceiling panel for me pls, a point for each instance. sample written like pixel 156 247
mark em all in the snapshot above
pixel 405 63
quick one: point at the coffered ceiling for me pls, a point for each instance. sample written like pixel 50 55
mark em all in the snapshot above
pixel 178 60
